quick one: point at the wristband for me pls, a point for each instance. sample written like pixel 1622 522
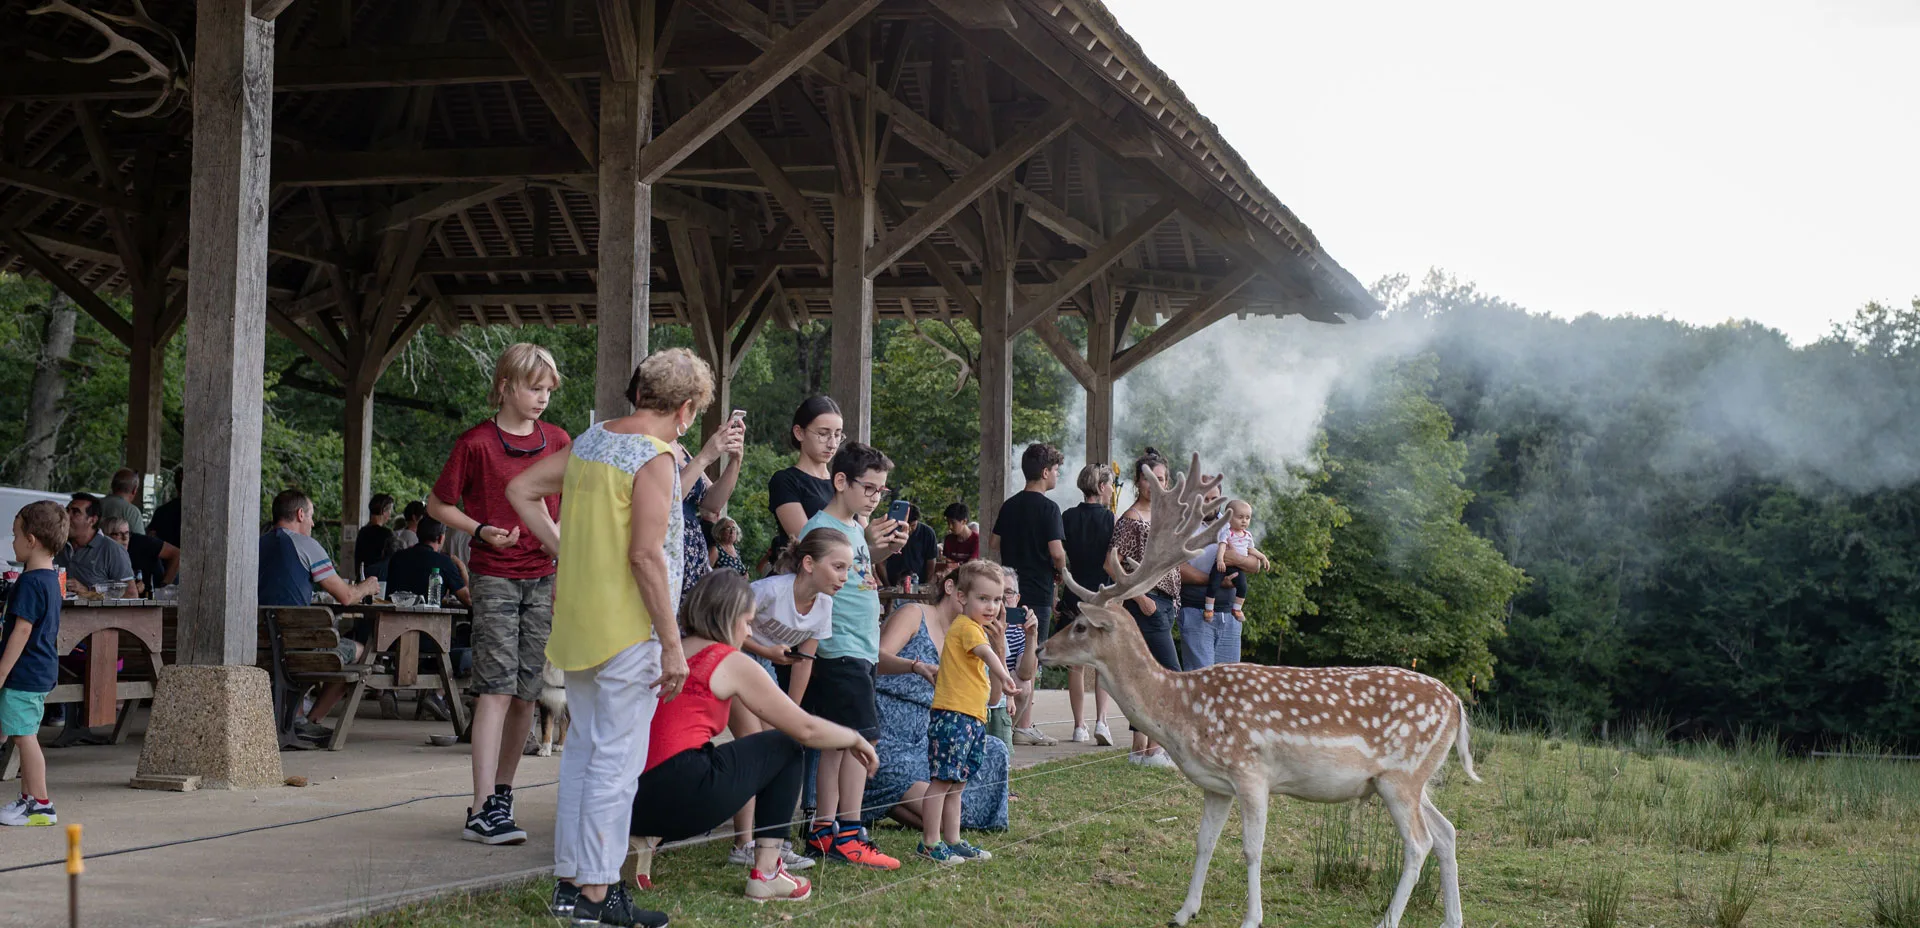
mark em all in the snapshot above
pixel 480 531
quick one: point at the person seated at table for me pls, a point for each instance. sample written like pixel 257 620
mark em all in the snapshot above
pixel 916 559
pixel 690 785
pixel 375 542
pixel 292 563
pixel 91 559
pixel 155 563
pixel 408 533
pixel 410 570
pixel 962 543
pixel 121 501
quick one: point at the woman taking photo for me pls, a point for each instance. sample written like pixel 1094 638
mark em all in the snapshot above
pixel 690 785
pixel 1152 611
pixel 705 502
pixel 795 494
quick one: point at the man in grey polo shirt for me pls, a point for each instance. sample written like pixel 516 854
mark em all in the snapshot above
pixel 91 558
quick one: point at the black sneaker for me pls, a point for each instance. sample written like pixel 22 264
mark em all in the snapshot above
pixel 617 909
pixel 502 798
pixel 565 897
pixel 492 825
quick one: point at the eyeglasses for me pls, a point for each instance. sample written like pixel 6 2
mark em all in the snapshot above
pixel 125 534
pixel 828 435
pixel 513 452
pixel 871 490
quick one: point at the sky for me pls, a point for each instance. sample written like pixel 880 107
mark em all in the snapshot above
pixel 1699 159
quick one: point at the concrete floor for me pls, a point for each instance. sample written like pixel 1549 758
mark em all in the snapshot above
pixel 313 873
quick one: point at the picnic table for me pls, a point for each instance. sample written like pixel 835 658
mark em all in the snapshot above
pixel 892 597
pixel 403 628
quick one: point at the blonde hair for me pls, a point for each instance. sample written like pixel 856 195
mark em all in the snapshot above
pixel 668 379
pixel 521 365
pixel 965 576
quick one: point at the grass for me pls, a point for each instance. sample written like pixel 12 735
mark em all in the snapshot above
pixel 1562 833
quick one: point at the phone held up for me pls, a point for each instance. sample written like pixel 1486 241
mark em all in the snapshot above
pixel 898 510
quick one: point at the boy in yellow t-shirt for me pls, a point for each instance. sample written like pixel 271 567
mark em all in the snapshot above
pixel 957 727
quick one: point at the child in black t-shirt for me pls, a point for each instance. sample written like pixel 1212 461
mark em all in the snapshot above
pixel 29 663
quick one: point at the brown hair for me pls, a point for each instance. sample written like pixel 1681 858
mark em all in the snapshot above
pixel 45 521
pixel 816 544
pixel 668 379
pixel 715 602
pixel 520 365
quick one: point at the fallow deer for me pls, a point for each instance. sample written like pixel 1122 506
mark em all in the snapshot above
pixel 1246 731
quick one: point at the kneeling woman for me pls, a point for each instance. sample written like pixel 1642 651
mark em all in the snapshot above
pixel 691 785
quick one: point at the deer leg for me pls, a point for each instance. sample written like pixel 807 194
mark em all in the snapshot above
pixel 1403 804
pixel 1444 843
pixel 1253 840
pixel 1212 821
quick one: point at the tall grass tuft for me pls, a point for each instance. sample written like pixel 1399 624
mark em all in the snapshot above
pixel 1895 892
pixel 1605 890
pixel 1339 851
pixel 1729 902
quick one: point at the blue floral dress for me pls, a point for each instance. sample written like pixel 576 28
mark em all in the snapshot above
pixel 906 702
pixel 694 556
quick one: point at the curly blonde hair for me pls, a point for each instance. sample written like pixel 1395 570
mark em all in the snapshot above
pixel 668 379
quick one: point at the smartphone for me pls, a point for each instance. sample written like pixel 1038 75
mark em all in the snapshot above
pixel 898 511
pixel 739 414
pixel 799 654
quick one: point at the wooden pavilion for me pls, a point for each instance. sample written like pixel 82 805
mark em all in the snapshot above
pixel 351 171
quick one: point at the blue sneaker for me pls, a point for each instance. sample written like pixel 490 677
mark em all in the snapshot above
pixel 969 852
pixel 940 853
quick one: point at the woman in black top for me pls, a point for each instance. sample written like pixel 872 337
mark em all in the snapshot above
pixel 795 494
pixel 1089 531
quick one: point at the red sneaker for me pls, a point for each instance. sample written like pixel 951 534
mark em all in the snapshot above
pixel 850 846
pixel 820 839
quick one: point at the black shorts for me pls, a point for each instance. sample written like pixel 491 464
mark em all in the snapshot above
pixel 841 690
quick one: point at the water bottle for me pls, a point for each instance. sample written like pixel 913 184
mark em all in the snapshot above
pixel 433 587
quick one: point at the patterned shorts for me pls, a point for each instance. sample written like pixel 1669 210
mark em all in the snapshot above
pixel 511 622
pixel 956 745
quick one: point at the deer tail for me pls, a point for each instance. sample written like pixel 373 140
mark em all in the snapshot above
pixel 1461 745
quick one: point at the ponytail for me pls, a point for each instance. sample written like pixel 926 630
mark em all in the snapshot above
pixel 817 544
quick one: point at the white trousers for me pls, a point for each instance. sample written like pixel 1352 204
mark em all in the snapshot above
pixel 612 711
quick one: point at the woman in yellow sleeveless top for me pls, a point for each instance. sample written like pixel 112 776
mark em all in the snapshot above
pixel 614 631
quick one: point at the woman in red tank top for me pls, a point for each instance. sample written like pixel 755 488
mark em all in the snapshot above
pixel 690 785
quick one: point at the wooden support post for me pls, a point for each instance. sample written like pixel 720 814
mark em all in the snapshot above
pixel 996 363
pixel 1100 340
pixel 146 390
pixel 853 312
pixel 626 223
pixel 357 474
pixel 226 324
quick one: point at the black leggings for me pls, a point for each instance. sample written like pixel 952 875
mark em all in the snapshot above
pixel 1157 628
pixel 698 788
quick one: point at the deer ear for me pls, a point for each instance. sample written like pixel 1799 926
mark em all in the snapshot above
pixel 1099 619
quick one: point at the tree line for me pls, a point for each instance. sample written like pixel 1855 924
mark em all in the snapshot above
pixel 1576 522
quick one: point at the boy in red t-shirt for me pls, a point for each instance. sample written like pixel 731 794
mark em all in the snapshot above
pixel 512 585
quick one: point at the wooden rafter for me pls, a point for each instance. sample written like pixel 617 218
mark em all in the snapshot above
pixel 1092 265
pixel 57 274
pixel 745 88
pixel 988 173
pixel 1064 350
pixel 769 171
pixel 1199 314
pixel 508 25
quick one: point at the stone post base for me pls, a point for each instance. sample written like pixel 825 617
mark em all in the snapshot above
pixel 215 723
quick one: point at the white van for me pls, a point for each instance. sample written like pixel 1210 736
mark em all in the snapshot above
pixel 14 499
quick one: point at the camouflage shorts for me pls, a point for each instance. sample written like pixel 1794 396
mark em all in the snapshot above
pixel 511 622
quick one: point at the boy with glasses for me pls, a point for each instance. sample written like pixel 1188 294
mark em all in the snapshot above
pixel 840 688
pixel 512 586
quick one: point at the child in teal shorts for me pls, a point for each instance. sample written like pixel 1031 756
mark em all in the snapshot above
pixel 29 659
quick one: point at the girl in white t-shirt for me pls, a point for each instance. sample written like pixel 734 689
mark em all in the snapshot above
pixel 792 611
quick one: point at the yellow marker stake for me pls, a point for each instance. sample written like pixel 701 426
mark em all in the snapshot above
pixel 75 867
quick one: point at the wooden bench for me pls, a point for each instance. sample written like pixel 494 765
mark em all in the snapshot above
pixel 302 642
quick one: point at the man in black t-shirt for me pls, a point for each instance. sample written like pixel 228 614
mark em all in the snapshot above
pixel 410 569
pixel 375 542
pixel 918 556
pixel 1029 538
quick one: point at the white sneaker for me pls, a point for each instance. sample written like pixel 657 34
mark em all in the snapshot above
pixel 1033 736
pixel 742 856
pixel 1159 759
pixel 1080 735
pixel 1101 736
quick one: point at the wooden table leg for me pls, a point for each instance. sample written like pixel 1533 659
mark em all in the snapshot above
pixel 406 660
pixel 102 680
pixel 451 691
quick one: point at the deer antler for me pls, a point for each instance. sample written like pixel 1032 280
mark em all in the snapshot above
pixel 1180 530
pixel 172 79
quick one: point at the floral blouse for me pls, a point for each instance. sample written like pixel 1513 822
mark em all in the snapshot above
pixel 1130 542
